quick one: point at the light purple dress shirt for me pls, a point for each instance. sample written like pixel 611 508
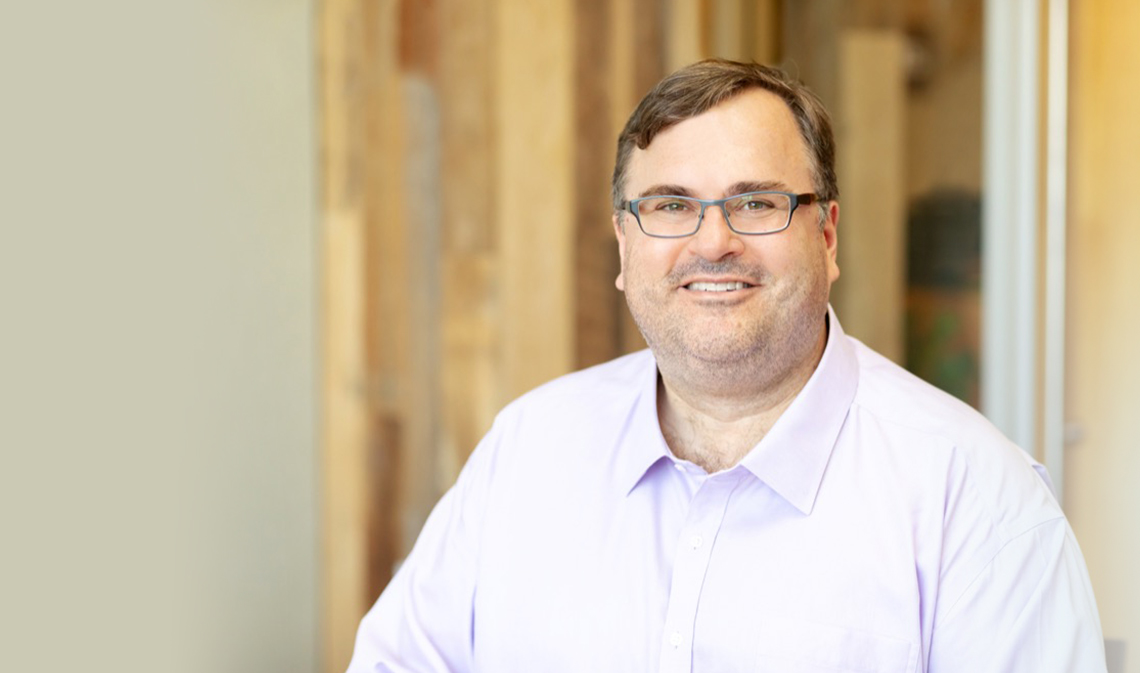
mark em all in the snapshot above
pixel 880 526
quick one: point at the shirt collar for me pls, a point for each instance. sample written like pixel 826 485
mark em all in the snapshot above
pixel 792 457
pixel 642 444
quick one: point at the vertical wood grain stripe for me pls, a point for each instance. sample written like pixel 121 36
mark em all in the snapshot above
pixel 872 123
pixel 535 199
pixel 344 414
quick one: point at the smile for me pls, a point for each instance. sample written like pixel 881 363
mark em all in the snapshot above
pixel 731 286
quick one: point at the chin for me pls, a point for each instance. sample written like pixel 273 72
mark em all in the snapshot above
pixel 723 352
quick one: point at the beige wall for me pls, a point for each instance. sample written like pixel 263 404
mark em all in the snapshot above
pixel 1102 468
pixel 157 290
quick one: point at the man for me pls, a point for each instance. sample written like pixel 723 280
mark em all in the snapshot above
pixel 758 491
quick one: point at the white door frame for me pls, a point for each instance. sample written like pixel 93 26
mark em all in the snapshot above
pixel 1012 278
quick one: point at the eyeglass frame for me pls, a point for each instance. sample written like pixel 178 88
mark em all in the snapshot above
pixel 797 200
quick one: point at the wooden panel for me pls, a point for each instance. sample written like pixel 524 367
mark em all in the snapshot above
pixel 536 211
pixel 345 415
pixel 469 361
pixel 762 42
pixel 408 259
pixel 686 33
pixel 626 53
pixel 405 220
pixel 875 14
pixel 869 296
pixel 726 29
pixel 743 30
pixel 597 324
pixel 344 439
pixel 811 29
pixel 470 375
pixel 637 64
pixel 418 36
pixel 650 46
pixel 382 179
pixel 467 99
pixel 381 502
pixel 365 355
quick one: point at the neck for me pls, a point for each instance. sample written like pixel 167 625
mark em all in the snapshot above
pixel 713 416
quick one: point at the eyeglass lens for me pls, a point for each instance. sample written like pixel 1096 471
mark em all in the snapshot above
pixel 753 213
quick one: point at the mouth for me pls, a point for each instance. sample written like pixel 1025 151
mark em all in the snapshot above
pixel 726 286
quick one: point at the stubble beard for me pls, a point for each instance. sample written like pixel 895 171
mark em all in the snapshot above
pixel 756 351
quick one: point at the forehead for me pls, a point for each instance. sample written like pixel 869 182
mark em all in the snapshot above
pixel 751 137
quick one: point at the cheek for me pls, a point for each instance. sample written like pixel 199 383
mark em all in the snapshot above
pixel 649 262
pixel 636 263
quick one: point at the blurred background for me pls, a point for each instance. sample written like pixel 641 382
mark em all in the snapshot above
pixel 268 269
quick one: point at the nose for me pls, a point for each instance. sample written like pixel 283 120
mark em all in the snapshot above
pixel 714 239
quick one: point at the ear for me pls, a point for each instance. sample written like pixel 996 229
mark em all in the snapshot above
pixel 619 231
pixel 831 240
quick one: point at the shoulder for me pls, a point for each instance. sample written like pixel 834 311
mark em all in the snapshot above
pixel 894 394
pixel 580 415
pixel 591 390
pixel 1011 489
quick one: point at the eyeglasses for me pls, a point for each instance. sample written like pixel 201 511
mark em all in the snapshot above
pixel 751 214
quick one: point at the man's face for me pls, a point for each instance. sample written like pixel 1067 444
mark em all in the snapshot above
pixel 748 143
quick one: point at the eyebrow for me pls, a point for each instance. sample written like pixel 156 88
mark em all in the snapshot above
pixel 665 190
pixel 766 186
pixel 735 188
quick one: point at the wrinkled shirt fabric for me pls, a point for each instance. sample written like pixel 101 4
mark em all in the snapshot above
pixel 880 526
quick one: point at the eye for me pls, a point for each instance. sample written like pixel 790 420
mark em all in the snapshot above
pixel 755 204
pixel 671 205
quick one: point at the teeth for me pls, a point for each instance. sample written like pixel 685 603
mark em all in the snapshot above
pixel 718 287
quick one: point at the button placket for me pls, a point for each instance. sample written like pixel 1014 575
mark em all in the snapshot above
pixel 690 562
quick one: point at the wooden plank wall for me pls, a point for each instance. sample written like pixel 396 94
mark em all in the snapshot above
pixel 355 438
pixel 871 122
pixel 467 147
pixel 535 203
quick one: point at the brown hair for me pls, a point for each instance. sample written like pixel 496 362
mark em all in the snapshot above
pixel 699 87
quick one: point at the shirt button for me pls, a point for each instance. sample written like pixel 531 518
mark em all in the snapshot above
pixel 696 541
pixel 675 639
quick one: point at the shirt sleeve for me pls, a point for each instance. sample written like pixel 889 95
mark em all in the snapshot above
pixel 1030 610
pixel 424 620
